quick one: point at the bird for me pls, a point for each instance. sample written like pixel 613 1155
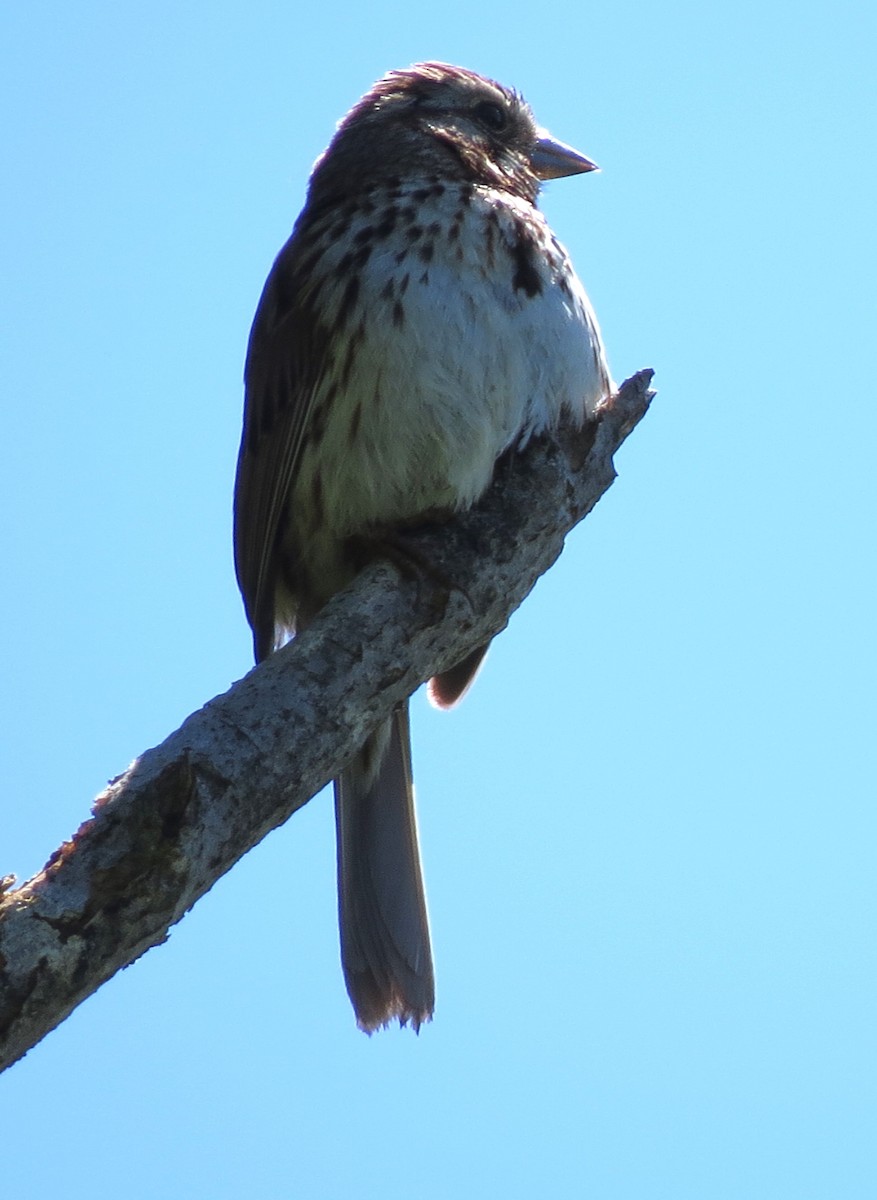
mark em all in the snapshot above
pixel 421 322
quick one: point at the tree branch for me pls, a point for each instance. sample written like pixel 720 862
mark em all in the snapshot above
pixel 185 812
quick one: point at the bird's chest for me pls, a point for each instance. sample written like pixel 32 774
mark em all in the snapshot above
pixel 458 329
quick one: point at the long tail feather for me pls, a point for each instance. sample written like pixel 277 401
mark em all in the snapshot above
pixel 385 946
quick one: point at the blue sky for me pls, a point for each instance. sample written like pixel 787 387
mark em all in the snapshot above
pixel 649 832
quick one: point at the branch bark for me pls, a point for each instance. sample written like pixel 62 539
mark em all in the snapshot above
pixel 184 812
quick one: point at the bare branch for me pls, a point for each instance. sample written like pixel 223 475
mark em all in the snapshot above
pixel 186 811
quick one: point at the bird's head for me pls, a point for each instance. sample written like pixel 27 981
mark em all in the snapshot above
pixel 437 118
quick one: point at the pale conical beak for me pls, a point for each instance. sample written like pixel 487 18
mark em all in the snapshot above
pixel 551 159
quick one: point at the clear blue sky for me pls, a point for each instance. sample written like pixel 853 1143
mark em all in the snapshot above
pixel 649 834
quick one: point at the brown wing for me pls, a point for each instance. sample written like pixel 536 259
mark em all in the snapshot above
pixel 285 359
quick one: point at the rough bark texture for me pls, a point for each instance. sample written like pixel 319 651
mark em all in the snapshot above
pixel 186 811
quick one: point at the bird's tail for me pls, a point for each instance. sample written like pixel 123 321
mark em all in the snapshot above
pixel 385 948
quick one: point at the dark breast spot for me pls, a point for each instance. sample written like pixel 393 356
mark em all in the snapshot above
pixel 354 342
pixel 307 264
pixel 387 223
pixel 348 300
pixel 525 277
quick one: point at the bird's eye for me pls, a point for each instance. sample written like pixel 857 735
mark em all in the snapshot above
pixel 492 116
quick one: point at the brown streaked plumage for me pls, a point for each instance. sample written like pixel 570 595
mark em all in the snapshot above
pixel 420 321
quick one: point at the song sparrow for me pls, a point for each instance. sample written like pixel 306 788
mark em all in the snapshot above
pixel 421 320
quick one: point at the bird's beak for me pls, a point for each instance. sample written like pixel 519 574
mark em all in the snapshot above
pixel 551 159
